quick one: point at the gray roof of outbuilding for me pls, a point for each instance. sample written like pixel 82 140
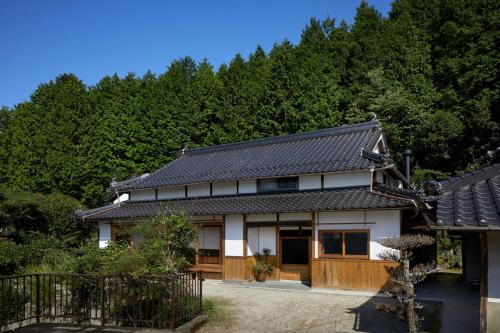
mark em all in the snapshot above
pixel 327 150
pixel 471 200
pixel 299 201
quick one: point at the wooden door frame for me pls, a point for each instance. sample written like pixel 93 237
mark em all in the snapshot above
pixel 221 242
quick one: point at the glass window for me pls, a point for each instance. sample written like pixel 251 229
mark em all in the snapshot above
pixel 331 243
pixel 277 184
pixel 356 243
pixel 340 244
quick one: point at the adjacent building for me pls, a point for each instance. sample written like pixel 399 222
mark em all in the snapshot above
pixel 468 207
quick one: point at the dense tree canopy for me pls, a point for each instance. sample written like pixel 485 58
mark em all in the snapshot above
pixel 429 70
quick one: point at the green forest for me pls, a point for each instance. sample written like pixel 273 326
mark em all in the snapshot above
pixel 429 70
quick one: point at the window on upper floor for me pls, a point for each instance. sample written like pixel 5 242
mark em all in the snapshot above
pixel 277 184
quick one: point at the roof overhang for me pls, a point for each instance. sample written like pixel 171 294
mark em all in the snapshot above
pixel 351 198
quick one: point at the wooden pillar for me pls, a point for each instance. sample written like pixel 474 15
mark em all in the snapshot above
pixel 278 253
pixel 248 272
pixel 484 282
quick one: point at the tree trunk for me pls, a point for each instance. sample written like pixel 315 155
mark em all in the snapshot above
pixel 411 315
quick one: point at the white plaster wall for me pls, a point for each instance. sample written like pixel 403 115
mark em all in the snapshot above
pixel 143 195
pixel 308 182
pixel 381 223
pixel 175 192
pixel 493 267
pixel 343 179
pixel 198 190
pixel 260 238
pixel 248 186
pixel 376 148
pixel 379 176
pixel 224 188
pixel 123 197
pixel 209 238
pixel 104 234
pixel 262 217
pixel 234 235
pixel 295 216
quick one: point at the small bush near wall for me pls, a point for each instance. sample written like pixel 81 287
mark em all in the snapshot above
pixel 164 247
pixel 449 251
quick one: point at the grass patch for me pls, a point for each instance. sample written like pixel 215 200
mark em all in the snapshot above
pixel 218 313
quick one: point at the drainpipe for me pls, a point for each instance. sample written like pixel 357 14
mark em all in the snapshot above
pixel 372 171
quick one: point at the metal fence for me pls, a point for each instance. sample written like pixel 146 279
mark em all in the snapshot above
pixel 147 301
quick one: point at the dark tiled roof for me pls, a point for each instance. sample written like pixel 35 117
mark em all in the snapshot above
pixel 327 150
pixel 472 200
pixel 333 199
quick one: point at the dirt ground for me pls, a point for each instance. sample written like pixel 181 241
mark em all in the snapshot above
pixel 243 309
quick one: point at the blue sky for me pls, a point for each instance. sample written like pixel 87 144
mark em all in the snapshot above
pixel 93 38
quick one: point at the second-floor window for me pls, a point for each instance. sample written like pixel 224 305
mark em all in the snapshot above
pixel 277 184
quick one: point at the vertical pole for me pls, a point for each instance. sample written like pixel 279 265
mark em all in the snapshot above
pixel 200 279
pixel 37 299
pixel 172 301
pixel 102 302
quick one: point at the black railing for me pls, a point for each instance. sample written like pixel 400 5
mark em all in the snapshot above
pixel 147 301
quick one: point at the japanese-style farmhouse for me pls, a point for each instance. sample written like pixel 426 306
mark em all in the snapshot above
pixel 318 200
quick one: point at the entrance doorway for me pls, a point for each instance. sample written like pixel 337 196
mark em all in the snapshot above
pixel 295 259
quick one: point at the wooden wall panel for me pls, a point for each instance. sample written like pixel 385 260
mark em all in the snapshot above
pixel 235 268
pixel 295 272
pixel 208 260
pixel 351 274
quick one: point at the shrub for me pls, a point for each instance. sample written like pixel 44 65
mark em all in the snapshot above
pixel 164 247
pixel 15 299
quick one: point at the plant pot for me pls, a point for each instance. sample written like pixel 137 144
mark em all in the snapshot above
pixel 260 277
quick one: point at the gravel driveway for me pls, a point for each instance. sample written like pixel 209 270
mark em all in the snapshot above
pixel 249 309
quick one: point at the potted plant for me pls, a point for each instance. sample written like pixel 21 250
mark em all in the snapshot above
pixel 262 268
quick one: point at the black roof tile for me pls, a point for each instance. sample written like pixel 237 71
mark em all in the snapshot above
pixel 471 200
pixel 300 201
pixel 327 150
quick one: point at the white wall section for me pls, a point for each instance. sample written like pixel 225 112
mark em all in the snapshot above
pixel 259 238
pixel 224 188
pixel 309 182
pixel 344 179
pixel 104 234
pixel 248 186
pixel 493 266
pixel 198 190
pixel 234 235
pixel 143 195
pixel 175 192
